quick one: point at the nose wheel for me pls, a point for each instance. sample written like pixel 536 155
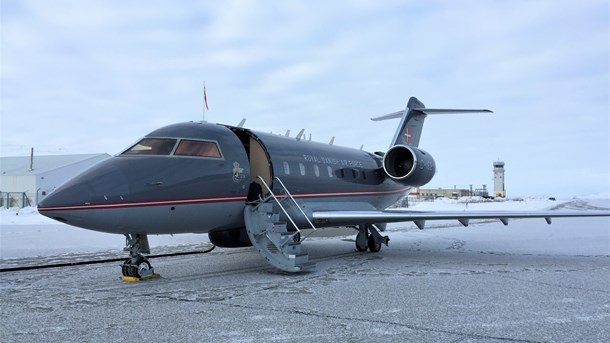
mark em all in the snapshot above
pixel 137 266
pixel 140 269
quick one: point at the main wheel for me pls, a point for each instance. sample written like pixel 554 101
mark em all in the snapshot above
pixel 358 239
pixel 143 268
pixel 373 247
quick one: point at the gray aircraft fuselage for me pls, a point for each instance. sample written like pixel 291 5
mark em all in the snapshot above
pixel 165 188
pixel 230 182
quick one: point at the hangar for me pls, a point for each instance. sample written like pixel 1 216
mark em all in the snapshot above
pixel 25 180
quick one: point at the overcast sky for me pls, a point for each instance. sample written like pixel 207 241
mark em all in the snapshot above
pixel 94 76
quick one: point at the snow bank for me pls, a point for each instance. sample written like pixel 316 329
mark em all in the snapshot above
pixel 481 204
pixel 603 195
pixel 24 216
pixel 26 233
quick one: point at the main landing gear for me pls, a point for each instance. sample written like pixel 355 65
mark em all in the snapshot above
pixel 368 237
pixel 137 267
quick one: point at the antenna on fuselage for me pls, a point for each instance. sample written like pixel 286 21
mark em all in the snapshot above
pixel 241 123
pixel 300 134
pixel 287 133
pixel 332 141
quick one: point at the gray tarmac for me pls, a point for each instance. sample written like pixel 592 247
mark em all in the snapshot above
pixel 438 291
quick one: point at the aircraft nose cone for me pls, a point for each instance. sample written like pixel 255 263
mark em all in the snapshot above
pixel 71 194
pixel 72 202
pixel 57 205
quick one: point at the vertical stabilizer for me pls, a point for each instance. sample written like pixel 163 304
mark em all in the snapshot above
pixel 411 123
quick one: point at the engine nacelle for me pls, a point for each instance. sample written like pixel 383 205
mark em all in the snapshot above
pixel 409 165
pixel 231 238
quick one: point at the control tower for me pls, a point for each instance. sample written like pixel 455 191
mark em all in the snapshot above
pixel 499 190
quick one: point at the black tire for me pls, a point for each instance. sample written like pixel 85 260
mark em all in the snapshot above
pixel 125 269
pixel 297 237
pixel 359 248
pixel 373 247
pixel 133 270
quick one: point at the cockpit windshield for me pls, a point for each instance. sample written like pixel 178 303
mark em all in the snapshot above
pixel 197 148
pixel 165 146
pixel 152 146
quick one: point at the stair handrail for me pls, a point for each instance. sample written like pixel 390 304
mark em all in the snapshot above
pixel 278 202
pixel 295 202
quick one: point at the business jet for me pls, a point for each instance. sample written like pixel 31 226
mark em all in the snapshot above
pixel 249 188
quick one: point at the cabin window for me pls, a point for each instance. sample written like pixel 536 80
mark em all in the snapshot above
pixel 152 146
pixel 197 148
pixel 302 168
pixel 316 170
pixel 286 168
pixel 355 173
pixel 330 171
pixel 342 173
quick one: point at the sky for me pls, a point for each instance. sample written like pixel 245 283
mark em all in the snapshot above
pixel 95 76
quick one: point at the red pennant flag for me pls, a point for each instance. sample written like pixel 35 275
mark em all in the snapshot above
pixel 205 98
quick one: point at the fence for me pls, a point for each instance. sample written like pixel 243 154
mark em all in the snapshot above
pixel 14 199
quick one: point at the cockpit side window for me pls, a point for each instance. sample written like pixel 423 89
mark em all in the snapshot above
pixel 197 148
pixel 152 146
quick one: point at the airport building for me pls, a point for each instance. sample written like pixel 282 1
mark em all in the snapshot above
pixel 499 190
pixel 26 180
pixel 450 193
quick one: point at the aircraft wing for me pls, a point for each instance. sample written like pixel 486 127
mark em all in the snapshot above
pixel 420 217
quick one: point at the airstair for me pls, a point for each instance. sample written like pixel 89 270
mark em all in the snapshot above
pixel 274 232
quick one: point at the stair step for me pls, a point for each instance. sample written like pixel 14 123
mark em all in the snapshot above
pixel 292 249
pixel 307 266
pixel 299 259
pixel 272 248
pixel 271 237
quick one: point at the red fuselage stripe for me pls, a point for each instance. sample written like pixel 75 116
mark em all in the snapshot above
pixel 216 199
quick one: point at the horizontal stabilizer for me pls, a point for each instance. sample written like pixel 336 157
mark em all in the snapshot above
pixel 450 110
pixel 399 114
pixel 394 115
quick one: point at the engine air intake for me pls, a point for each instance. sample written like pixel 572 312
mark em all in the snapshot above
pixel 409 165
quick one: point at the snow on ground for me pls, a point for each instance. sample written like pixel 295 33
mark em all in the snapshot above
pixel 525 282
pixel 26 233
pixel 565 236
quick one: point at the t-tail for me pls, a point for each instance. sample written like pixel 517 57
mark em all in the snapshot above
pixel 412 121
pixel 405 162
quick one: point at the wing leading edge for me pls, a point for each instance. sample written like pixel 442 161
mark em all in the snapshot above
pixel 340 218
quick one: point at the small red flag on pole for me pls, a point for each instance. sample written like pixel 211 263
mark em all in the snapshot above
pixel 205 97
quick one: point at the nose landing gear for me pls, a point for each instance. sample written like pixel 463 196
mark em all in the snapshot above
pixel 137 267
